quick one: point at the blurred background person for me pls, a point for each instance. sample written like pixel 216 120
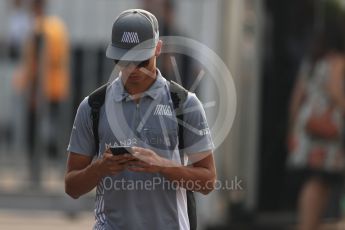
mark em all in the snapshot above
pixel 177 67
pixel 18 29
pixel 44 79
pixel 316 126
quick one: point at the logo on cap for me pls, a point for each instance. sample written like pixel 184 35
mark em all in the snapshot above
pixel 130 37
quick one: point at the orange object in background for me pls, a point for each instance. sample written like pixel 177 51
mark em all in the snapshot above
pixel 53 64
pixel 55 72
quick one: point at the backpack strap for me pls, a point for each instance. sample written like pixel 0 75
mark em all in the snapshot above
pixel 179 96
pixel 96 101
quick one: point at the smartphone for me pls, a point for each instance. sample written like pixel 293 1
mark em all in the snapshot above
pixel 120 150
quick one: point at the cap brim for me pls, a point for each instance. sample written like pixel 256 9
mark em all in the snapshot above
pixel 133 54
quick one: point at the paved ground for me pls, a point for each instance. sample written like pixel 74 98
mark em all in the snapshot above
pixel 42 220
pixel 32 208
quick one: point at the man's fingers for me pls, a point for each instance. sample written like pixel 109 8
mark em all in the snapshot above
pixel 122 161
pixel 119 161
pixel 146 159
pixel 137 149
pixel 123 157
pixel 107 155
pixel 117 168
pixel 138 169
pixel 140 164
pixel 141 151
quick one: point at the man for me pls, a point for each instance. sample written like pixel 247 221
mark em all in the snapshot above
pixel 43 77
pixel 152 133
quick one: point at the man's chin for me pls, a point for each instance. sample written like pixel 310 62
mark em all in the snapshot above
pixel 132 79
pixel 135 79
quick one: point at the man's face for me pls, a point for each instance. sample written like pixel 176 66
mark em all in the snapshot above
pixel 140 73
pixel 134 73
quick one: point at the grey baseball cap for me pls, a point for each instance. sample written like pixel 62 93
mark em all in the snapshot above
pixel 134 36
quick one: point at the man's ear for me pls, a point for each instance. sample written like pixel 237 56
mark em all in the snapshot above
pixel 158 48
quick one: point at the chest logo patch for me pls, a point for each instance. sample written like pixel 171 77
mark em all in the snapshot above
pixel 162 110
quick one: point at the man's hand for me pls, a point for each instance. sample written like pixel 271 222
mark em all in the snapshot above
pixel 112 165
pixel 202 172
pixel 149 161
